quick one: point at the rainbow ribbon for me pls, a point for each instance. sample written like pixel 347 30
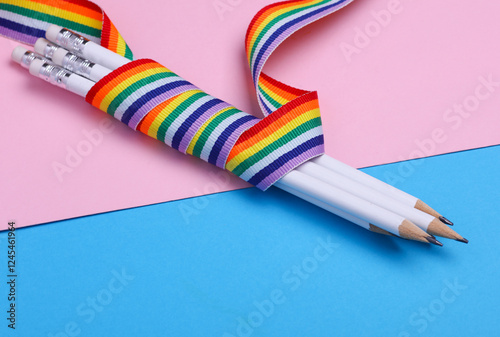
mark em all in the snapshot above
pixel 152 99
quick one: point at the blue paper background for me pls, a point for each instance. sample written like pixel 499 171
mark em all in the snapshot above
pixel 194 267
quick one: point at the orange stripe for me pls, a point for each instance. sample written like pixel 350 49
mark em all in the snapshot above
pixel 104 91
pixel 278 91
pixel 113 37
pixel 287 88
pixel 273 127
pixel 151 116
pixel 70 8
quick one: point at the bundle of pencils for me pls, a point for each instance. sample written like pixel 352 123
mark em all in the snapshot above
pixel 74 63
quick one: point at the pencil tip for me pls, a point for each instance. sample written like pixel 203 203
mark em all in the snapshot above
pixel 434 241
pixel 464 240
pixel 446 221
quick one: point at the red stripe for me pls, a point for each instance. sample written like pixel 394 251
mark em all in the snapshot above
pixel 282 86
pixel 86 4
pixel 108 78
pixel 105 31
pixel 266 122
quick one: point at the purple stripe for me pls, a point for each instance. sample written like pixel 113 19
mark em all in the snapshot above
pixel 188 136
pixel 12 34
pixel 228 146
pixel 150 105
pixel 302 158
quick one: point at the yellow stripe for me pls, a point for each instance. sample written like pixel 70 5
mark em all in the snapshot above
pixel 280 99
pixel 128 82
pixel 272 17
pixel 61 13
pixel 200 131
pixel 153 129
pixel 121 45
pixel 299 120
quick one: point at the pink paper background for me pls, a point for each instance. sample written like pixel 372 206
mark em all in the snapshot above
pixel 376 107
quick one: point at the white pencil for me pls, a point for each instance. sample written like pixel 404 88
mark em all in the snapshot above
pixel 24 57
pixel 85 48
pixel 423 220
pixel 376 184
pixel 70 61
pixel 60 77
pixel 351 204
pixel 357 210
pixel 95 72
pixel 97 53
pixel 112 61
pixel 333 210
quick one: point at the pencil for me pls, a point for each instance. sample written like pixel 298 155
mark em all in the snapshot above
pixel 376 184
pixel 333 210
pixel 112 61
pixel 365 210
pixel 385 220
pixel 95 52
pixel 423 220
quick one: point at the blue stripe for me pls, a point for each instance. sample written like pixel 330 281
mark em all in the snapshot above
pixel 186 125
pixel 219 143
pixel 269 111
pixel 132 109
pixel 282 29
pixel 21 28
pixel 285 158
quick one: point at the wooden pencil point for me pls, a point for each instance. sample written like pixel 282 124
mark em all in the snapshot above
pixel 408 230
pixel 437 228
pixel 446 221
pixel 379 230
pixel 422 206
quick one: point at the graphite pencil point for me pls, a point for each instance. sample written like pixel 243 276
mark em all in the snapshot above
pixel 434 241
pixel 446 221
pixel 464 240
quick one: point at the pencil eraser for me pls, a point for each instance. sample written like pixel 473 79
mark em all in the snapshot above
pixel 40 46
pixel 35 67
pixel 52 33
pixel 18 53
pixel 58 56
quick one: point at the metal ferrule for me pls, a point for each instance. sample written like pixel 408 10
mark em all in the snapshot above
pixel 29 57
pixel 77 64
pixel 71 41
pixel 54 75
pixel 49 50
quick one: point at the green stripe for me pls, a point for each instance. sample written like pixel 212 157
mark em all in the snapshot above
pixel 269 98
pixel 255 158
pixel 128 52
pixel 165 124
pixel 276 20
pixel 78 27
pixel 122 96
pixel 210 128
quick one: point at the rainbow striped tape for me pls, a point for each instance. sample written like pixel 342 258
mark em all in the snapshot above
pixel 152 99
pixel 27 20
pixel 269 28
